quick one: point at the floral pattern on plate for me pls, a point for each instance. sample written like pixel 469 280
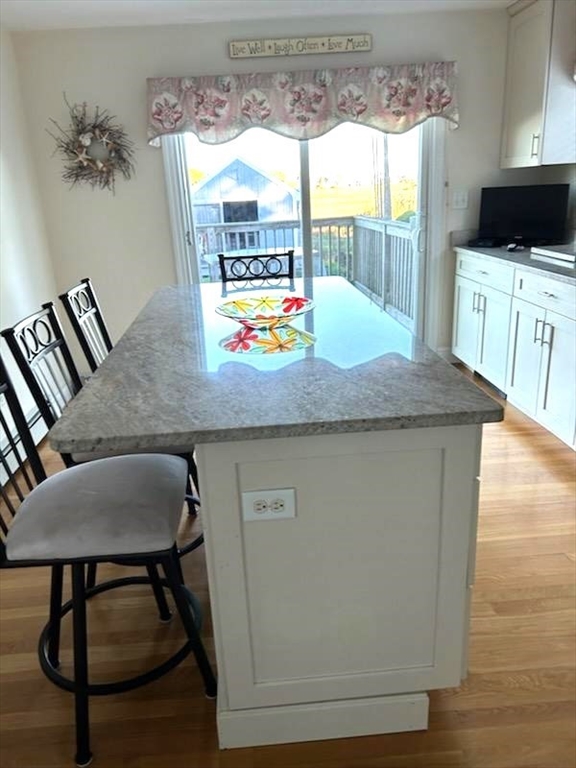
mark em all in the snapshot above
pixel 265 311
pixel 267 341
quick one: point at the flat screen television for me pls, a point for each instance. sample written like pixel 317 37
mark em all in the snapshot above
pixel 530 215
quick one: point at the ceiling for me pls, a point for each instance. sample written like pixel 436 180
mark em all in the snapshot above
pixel 70 14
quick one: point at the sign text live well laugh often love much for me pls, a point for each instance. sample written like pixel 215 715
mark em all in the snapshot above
pixel 298 46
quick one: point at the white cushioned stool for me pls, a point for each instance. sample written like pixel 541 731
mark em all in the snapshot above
pixel 119 509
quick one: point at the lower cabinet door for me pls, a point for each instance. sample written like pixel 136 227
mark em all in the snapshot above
pixel 465 331
pixel 525 352
pixel 312 608
pixel 494 313
pixel 557 394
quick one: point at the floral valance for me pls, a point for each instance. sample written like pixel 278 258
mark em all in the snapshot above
pixel 302 104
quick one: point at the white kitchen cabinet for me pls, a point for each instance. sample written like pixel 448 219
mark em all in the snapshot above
pixel 480 314
pixel 525 355
pixel 516 327
pixel 541 377
pixel 556 407
pixel 322 628
pixel 465 327
pixel 482 300
pixel 540 96
pixel 494 313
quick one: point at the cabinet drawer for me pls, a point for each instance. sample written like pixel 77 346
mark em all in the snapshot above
pixel 485 271
pixel 546 292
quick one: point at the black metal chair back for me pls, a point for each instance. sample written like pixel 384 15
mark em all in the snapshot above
pixel 42 354
pixel 21 468
pixel 261 269
pixel 86 318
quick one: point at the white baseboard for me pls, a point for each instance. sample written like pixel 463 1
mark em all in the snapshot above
pixel 324 720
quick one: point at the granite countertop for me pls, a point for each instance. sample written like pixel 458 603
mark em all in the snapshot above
pixel 169 382
pixel 523 259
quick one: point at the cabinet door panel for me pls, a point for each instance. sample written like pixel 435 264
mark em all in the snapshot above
pixel 465 332
pixel 557 393
pixel 493 336
pixel 528 49
pixel 525 352
pixel 559 141
pixel 289 596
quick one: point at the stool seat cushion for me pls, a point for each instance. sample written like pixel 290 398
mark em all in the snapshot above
pixel 115 506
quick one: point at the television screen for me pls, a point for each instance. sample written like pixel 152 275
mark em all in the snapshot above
pixel 531 215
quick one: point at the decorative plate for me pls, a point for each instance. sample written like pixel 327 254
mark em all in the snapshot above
pixel 265 311
pixel 266 341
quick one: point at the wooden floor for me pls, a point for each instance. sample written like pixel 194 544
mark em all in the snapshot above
pixel 516 709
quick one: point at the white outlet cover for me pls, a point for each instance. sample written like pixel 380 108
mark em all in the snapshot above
pixel 269 504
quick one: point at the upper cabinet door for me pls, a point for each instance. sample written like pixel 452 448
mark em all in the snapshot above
pixel 559 132
pixel 529 36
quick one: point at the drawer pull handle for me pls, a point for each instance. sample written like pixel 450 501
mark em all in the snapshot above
pixel 535 141
pixel 547 294
pixel 482 272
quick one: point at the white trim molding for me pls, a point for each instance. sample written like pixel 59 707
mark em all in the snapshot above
pixel 180 209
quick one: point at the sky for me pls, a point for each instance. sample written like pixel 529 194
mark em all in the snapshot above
pixel 345 153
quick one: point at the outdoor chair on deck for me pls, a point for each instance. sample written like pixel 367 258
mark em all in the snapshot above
pixel 119 509
pixel 42 354
pixel 257 271
pixel 87 321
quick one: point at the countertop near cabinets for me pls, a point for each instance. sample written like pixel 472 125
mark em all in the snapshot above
pixel 522 259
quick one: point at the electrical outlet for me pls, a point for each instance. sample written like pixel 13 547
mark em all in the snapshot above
pixel 274 504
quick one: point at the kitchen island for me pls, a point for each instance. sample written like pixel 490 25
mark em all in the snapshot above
pixel 339 485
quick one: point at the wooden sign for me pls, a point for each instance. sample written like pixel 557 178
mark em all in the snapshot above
pixel 299 46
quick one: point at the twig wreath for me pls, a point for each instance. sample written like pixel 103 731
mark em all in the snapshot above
pixel 94 148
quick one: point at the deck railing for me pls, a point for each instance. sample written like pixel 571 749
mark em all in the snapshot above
pixel 376 255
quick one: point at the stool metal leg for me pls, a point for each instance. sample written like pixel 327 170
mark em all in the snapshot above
pixel 179 571
pixel 170 565
pixel 55 619
pixel 83 753
pixel 91 577
pixel 161 602
pixel 192 500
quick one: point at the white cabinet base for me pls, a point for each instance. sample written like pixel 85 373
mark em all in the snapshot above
pixel 328 622
pixel 325 720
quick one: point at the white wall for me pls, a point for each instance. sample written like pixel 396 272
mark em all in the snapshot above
pixel 123 242
pixel 26 273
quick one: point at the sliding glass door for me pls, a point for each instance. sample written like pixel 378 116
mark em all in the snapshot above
pixel 350 203
pixel 245 197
